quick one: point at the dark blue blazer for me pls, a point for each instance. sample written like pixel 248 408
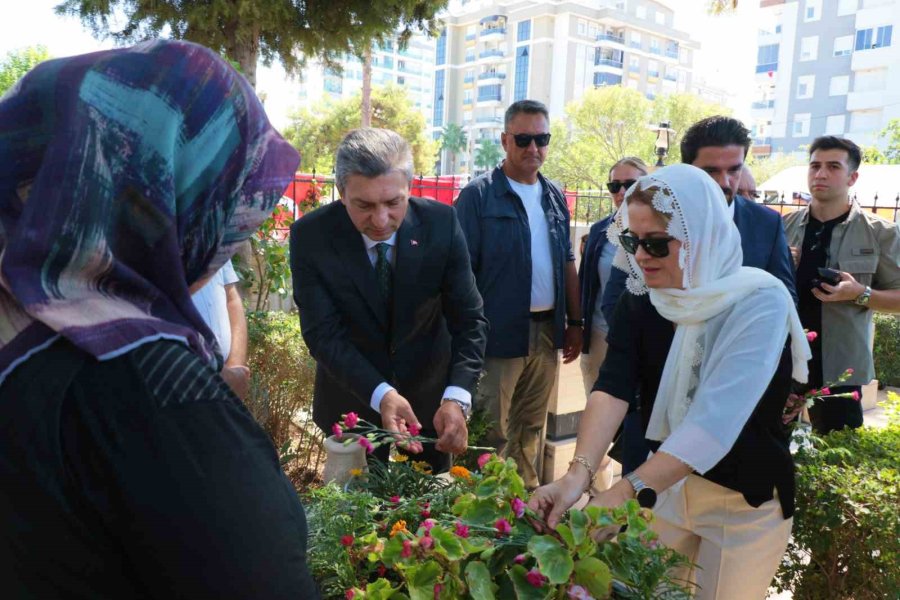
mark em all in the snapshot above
pixel 589 277
pixel 762 240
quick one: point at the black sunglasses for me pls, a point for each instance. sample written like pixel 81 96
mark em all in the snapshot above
pixel 523 140
pixel 655 247
pixel 615 186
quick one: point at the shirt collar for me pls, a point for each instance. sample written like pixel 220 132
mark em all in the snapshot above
pixel 370 243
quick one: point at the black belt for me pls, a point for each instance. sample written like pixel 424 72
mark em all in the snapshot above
pixel 544 315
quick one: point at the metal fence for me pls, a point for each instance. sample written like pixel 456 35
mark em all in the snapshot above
pixel 585 205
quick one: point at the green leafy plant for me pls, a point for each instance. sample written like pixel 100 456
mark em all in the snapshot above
pixel 887 349
pixel 473 537
pixel 846 533
pixel 282 374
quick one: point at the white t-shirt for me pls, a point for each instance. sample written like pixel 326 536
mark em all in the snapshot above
pixel 543 291
pixel 211 304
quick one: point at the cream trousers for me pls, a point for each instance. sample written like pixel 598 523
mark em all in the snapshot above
pixel 737 548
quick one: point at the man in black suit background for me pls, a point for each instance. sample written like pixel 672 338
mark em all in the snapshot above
pixel 387 299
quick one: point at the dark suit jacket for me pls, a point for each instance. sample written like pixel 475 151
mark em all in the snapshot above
pixel 762 241
pixel 590 277
pixel 437 330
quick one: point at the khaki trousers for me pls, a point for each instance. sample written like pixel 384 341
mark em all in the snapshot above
pixel 737 548
pixel 590 367
pixel 516 393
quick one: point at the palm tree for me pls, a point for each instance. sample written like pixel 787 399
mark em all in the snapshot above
pixel 488 154
pixel 453 140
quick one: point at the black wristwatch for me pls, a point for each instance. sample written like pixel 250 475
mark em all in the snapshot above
pixel 575 322
pixel 645 495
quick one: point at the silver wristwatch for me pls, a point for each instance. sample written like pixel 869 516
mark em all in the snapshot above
pixel 643 493
pixel 863 299
pixel 466 408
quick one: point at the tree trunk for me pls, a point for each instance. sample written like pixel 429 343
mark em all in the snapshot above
pixel 245 53
pixel 366 108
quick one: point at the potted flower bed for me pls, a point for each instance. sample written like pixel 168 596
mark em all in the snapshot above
pixel 395 531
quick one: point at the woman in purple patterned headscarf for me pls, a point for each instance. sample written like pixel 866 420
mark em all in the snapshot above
pixel 128 467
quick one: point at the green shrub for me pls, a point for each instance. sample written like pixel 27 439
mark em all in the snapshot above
pixel 846 535
pixel 887 349
pixel 281 391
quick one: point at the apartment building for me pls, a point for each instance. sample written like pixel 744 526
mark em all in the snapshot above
pixel 411 67
pixel 825 67
pixel 491 53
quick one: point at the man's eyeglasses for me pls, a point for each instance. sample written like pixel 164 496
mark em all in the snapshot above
pixel 523 140
pixel 615 186
pixel 657 247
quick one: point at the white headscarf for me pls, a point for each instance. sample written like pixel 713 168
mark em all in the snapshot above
pixel 714 280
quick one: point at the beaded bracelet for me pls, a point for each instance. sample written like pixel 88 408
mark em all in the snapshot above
pixel 591 472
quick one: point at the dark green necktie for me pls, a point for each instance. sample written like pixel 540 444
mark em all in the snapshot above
pixel 383 271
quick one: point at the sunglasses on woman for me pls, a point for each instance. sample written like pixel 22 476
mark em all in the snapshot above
pixel 615 186
pixel 657 247
pixel 523 140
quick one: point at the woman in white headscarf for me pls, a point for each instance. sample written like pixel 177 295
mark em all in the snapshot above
pixel 712 349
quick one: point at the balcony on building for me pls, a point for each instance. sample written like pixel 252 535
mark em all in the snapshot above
pixel 488 121
pixel 671 76
pixel 604 79
pixel 767 67
pixel 490 95
pixel 471 37
pixel 672 49
pixel 763 105
pixel 489 77
pixel 469 79
pixel 867 100
pixel 608 61
pixel 611 39
pixel 492 28
pixel 492 54
pixel 871 58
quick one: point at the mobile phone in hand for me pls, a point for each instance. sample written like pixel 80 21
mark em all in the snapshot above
pixel 826 275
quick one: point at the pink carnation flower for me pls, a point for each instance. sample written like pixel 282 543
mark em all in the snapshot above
pixel 461 530
pixel 535 578
pixel 414 428
pixel 850 371
pixel 395 499
pixel 365 443
pixel 337 431
pixel 426 542
pixel 483 459
pixel 437 590
pixel 825 391
pixel 407 549
pixel 427 524
pixel 855 395
pixel 811 336
pixel 350 420
pixel 349 594
pixel 518 507
pixel 519 559
pixel 502 526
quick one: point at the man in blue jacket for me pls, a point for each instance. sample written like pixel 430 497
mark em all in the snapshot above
pixel 719 145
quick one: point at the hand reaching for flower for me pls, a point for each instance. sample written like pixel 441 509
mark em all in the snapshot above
pixel 397 416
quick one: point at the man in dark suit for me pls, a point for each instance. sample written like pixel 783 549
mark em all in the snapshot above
pixel 387 299
pixel 719 145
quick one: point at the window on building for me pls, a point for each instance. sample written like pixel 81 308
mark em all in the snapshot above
pixel 801 125
pixel 867 39
pixel 602 79
pixel 652 68
pixel 635 40
pixel 520 91
pixel 660 17
pixel 401 65
pixel 834 124
pixel 641 11
pixel 655 47
pixel 470 55
pixel 388 62
pixel 440 54
pixel 401 80
pixel 847 7
pixel 767 58
pixel 778 28
pixel 843 45
pixel 806 85
pixel 865 121
pixel 467 116
pixel 524 32
pixel 439 98
pixel 489 92
pixel 582 27
pixel 634 64
pixel 813 10
pixel 593 30
pixel 839 85
pixel 467 95
pixel 809 48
